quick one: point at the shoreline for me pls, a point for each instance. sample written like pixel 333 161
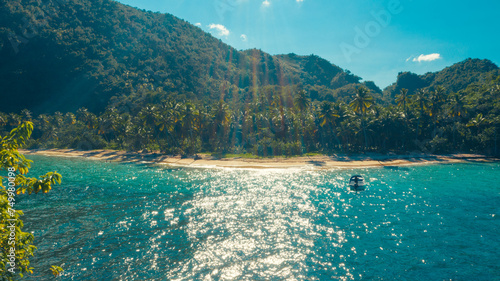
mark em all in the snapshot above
pixel 315 162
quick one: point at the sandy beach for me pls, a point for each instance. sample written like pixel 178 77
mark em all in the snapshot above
pixel 315 162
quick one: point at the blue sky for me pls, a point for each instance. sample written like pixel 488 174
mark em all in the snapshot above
pixel 372 39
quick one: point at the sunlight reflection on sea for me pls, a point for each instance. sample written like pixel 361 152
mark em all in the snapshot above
pixel 142 222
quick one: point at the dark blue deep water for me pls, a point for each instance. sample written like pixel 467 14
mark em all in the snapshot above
pixel 115 221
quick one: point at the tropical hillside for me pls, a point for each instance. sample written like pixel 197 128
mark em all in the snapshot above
pixel 454 78
pixel 99 74
pixel 83 53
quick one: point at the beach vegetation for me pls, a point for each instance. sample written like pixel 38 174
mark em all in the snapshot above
pixel 427 121
pixel 16 245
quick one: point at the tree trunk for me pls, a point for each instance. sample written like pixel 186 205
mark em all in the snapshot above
pixel 364 132
pixel 496 138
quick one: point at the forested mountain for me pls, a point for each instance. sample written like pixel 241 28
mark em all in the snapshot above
pixel 61 55
pixel 454 78
pixel 99 74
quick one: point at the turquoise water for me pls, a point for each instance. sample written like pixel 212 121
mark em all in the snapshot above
pixel 115 221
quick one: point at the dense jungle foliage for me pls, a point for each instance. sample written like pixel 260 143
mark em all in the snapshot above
pixel 283 121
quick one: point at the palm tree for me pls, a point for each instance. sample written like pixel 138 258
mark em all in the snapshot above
pixel 362 101
pixel 360 105
pixel 421 102
pixel 496 123
pixel 147 120
pixel 108 123
pixel 302 102
pixel 281 118
pixel 342 111
pixel 477 122
pixel 43 121
pixel 26 115
pixel 70 118
pixel 190 116
pixel 221 117
pixel 168 116
pixel 235 128
pixel 47 128
pixel 457 110
pixel 402 100
pixel 14 120
pixel 3 121
pixel 88 118
pixel 328 117
pixel 58 119
pixel 436 102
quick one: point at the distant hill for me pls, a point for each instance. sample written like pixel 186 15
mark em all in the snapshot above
pixel 63 55
pixel 454 78
pixel 324 80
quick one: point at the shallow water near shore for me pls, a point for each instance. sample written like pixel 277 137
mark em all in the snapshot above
pixel 116 221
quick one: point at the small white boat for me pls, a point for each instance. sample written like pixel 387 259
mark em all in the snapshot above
pixel 357 183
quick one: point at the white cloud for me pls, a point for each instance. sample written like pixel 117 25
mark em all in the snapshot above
pixel 221 30
pixel 430 57
pixel 198 24
pixel 243 37
pixel 298 1
pixel 266 3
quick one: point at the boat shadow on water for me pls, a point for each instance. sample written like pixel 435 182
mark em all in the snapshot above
pixel 396 168
pixel 317 163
